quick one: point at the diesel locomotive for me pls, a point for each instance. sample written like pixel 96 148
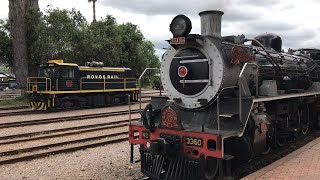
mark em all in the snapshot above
pixel 228 99
pixel 67 85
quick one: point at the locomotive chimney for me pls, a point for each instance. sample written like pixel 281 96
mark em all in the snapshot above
pixel 211 23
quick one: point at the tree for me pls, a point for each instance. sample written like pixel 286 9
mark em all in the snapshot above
pixel 137 53
pixel 6 54
pixel 64 34
pixel 18 29
pixel 55 34
pixel 94 9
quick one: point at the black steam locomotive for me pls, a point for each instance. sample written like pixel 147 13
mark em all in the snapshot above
pixel 66 85
pixel 227 99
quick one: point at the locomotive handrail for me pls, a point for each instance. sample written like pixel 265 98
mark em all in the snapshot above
pixel 241 86
pixel 145 70
pixel 31 83
pixel 105 81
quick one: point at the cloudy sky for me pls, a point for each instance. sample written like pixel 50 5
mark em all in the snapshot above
pixel 295 21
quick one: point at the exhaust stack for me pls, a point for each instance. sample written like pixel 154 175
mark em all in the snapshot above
pixel 211 23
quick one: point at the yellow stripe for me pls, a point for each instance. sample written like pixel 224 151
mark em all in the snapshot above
pixel 45 107
pixel 102 69
pixel 67 64
pixel 85 91
pixel 41 106
pixel 55 61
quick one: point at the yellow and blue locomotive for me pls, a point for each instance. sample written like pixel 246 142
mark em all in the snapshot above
pixel 67 85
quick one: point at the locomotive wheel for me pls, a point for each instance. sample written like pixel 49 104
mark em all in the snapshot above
pixel 305 129
pixel 68 104
pixel 267 151
pixel 270 140
pixel 211 169
pixel 280 142
pixel 304 117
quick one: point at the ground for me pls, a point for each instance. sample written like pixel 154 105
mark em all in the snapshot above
pixel 107 162
pixel 303 163
pixel 12 98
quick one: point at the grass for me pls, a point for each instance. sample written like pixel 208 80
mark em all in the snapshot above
pixel 17 101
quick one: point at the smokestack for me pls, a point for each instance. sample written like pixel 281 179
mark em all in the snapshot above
pixel 211 23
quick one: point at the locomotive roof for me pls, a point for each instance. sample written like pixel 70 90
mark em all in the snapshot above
pixel 307 49
pixel 88 68
pixel 61 63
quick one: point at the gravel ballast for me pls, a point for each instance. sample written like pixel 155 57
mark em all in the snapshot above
pixel 107 162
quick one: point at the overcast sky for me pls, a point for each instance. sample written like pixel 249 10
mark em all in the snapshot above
pixel 295 21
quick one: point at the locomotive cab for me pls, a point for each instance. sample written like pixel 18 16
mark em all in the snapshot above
pixel 54 76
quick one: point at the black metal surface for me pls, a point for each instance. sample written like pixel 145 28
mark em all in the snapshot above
pixel 179 168
pixel 168 145
pixel 270 40
pixel 196 71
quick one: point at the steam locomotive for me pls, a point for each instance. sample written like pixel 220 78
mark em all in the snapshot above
pixel 227 100
pixel 66 85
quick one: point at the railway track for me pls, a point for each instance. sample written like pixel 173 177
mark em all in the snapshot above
pixel 24 154
pixel 27 112
pixel 27 107
pixel 27 146
pixel 67 136
pixel 63 119
pixel 13 108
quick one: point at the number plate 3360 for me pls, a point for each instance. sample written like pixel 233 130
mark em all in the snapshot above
pixel 191 141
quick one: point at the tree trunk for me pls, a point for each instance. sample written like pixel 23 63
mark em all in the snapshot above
pixel 18 28
pixel 94 10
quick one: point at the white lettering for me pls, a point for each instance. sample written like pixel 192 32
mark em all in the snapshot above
pixel 102 76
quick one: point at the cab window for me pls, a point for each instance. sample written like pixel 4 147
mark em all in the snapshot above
pixel 67 73
pixel 46 72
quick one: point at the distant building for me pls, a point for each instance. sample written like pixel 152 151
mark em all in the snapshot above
pixel 7 80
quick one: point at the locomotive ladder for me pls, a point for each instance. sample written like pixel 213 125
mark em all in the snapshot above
pixel 241 85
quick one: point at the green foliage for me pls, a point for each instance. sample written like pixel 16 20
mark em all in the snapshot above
pixel 5 69
pixel 54 35
pixel 18 101
pixel 6 54
pixel 64 34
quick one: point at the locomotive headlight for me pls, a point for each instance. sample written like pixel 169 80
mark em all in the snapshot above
pixel 180 26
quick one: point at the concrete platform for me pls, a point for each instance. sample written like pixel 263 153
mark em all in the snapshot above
pixel 303 163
